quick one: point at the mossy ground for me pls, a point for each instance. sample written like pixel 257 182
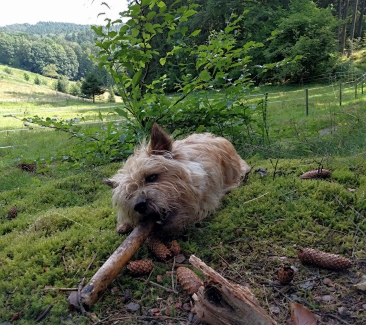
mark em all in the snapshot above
pixel 65 218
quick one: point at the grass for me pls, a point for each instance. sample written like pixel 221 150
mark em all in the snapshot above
pixel 65 218
pixel 24 99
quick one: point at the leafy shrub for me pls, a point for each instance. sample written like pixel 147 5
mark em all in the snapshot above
pixel 8 70
pixel 75 89
pixel 37 80
pixel 26 76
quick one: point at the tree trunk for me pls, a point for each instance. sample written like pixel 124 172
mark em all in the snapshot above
pixel 344 27
pixel 353 24
pixel 339 19
pixel 221 302
pixel 360 21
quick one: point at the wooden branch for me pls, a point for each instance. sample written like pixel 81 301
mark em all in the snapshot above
pixel 115 263
pixel 220 302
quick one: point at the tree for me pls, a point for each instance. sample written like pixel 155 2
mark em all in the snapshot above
pixel 344 27
pixel 306 32
pixel 50 70
pixel 62 84
pixel 92 86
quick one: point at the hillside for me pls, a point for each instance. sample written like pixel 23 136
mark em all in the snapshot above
pixel 23 99
pixel 49 28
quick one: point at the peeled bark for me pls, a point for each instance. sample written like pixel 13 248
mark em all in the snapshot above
pixel 220 302
pixel 115 263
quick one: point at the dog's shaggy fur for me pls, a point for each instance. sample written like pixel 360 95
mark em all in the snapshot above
pixel 176 182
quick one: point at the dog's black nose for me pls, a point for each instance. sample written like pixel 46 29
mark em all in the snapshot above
pixel 141 206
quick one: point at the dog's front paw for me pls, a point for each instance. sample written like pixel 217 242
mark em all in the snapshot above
pixel 124 228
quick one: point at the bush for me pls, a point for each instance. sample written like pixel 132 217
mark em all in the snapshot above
pixel 75 89
pixel 26 76
pixel 8 70
pixel 62 84
pixel 37 80
pixel 111 97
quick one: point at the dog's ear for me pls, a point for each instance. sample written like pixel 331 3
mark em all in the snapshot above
pixel 160 141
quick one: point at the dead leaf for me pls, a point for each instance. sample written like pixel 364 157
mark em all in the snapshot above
pixel 361 285
pixel 180 258
pixel 328 282
pixel 301 315
pixel 274 309
pixel 343 311
pixel 15 316
pixel 328 298
pixel 133 306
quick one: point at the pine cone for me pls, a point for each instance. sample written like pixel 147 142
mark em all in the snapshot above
pixel 285 275
pixel 13 212
pixel 140 267
pixel 174 248
pixel 326 260
pixel 158 248
pixel 188 280
pixel 316 173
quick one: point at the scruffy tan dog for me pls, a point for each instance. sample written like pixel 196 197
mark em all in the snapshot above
pixel 176 182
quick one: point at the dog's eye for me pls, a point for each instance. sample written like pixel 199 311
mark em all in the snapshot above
pixel 151 178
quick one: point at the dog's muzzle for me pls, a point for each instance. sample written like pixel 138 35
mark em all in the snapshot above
pixel 141 205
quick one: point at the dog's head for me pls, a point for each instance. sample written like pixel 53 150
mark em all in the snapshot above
pixel 153 182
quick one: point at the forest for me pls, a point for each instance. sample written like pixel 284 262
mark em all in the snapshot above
pixel 318 32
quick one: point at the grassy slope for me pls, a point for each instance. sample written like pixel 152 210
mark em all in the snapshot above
pixel 65 217
pixel 24 99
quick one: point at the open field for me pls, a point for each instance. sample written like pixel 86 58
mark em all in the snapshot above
pixel 64 217
pixel 24 99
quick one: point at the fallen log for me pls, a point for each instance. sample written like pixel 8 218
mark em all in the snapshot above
pixel 220 302
pixel 91 293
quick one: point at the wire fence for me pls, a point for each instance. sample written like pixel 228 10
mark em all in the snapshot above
pixel 338 92
pixel 337 89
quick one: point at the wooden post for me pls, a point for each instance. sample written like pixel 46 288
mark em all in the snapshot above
pixel 340 94
pixel 307 101
pixel 110 269
pixel 355 89
pixel 362 83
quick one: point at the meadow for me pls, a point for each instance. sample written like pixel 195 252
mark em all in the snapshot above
pixel 64 229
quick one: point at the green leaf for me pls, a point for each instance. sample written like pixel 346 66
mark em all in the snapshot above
pixel 162 61
pixel 136 78
pixel 151 15
pixel 121 112
pixel 98 30
pixel 196 32
pixel 135 32
pixel 205 75
pixel 112 34
pixel 149 28
pixel 200 129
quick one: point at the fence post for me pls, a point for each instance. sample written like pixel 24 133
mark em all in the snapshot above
pixel 307 101
pixel 356 89
pixel 340 94
pixel 362 85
